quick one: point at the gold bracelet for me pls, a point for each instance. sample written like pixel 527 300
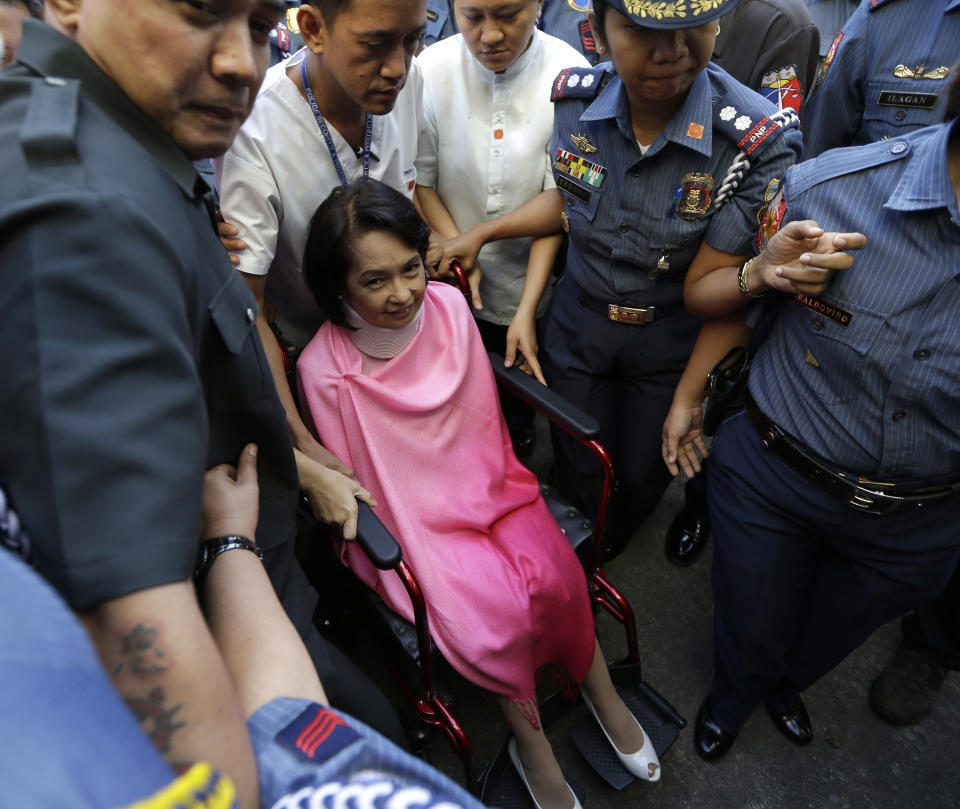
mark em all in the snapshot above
pixel 743 279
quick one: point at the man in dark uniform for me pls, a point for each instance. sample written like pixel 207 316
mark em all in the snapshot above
pixel 130 356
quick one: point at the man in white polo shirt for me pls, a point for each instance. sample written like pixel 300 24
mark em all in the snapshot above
pixel 348 104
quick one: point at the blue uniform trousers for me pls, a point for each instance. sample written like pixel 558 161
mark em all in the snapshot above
pixel 800 579
pixel 623 375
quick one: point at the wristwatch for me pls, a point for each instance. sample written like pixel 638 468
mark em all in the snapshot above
pixel 212 548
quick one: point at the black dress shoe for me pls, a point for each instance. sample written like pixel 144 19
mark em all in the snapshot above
pixel 687 537
pixel 790 716
pixel 710 740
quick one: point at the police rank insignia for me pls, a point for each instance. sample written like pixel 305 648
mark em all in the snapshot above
pixel 579 168
pixel 782 87
pixel 694 195
pixel 582 142
pixel 920 72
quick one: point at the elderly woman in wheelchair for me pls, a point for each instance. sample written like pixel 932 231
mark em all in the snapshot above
pixel 398 385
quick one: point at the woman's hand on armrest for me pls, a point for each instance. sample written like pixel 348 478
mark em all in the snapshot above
pixel 333 497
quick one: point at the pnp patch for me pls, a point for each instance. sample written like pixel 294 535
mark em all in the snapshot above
pixel 317 734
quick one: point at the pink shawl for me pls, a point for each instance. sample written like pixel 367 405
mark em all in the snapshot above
pixel 424 433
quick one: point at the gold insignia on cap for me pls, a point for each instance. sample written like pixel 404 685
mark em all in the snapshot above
pixel 582 142
pixel 678 9
pixel 810 359
pixel 292 21
pixel 921 72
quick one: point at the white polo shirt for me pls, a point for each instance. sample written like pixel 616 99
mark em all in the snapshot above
pixel 278 170
pixel 484 148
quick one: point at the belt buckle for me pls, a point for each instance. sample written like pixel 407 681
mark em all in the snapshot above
pixel 872 501
pixel 629 314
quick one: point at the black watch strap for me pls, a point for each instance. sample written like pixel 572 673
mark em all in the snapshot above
pixel 212 548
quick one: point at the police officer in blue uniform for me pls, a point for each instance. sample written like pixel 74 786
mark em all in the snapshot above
pixel 643 168
pixel 834 494
pixel 661 162
pixel 884 73
pixel 886 76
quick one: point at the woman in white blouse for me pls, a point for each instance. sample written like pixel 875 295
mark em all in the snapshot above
pixel 483 151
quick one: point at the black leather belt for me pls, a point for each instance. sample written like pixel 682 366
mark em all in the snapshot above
pixel 870 496
pixel 637 315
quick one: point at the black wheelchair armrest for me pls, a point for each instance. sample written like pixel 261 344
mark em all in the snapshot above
pixel 377 542
pixel 569 418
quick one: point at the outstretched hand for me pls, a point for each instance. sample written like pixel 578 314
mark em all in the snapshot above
pixel 682 444
pixel 801 258
pixel 231 498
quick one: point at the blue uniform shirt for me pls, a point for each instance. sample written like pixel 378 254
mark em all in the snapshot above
pixel 868 375
pixel 440 21
pixel 636 221
pixel 885 75
pixel 830 16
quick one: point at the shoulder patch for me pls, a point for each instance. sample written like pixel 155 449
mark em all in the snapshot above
pixel 827 61
pixel 579 82
pixel 317 734
pixel 48 131
pixel 750 129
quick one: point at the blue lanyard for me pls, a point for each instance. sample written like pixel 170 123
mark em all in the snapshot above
pixel 367 136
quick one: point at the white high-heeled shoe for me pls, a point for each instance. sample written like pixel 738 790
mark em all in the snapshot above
pixel 515 758
pixel 637 763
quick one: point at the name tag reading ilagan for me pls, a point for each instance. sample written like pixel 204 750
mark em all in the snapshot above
pixel 917 101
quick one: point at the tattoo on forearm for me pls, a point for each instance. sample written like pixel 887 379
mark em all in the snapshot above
pixel 142 655
pixel 156 719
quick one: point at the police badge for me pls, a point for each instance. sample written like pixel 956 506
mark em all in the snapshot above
pixel 694 195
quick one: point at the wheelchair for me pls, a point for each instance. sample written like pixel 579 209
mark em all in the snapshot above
pixel 414 664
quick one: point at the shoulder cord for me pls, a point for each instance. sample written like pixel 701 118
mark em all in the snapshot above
pixel 12 536
pixel 787 118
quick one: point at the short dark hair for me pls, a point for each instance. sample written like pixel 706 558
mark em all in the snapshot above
pixel 330 9
pixel 599 10
pixel 361 207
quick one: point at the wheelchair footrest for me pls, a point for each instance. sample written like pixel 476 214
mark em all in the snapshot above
pixel 651 711
pixel 500 785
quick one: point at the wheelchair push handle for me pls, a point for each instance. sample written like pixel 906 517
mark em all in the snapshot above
pixel 377 542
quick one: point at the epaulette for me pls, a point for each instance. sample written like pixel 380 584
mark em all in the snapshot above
pixel 751 128
pixel 48 131
pixel 580 82
pixel 846 160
